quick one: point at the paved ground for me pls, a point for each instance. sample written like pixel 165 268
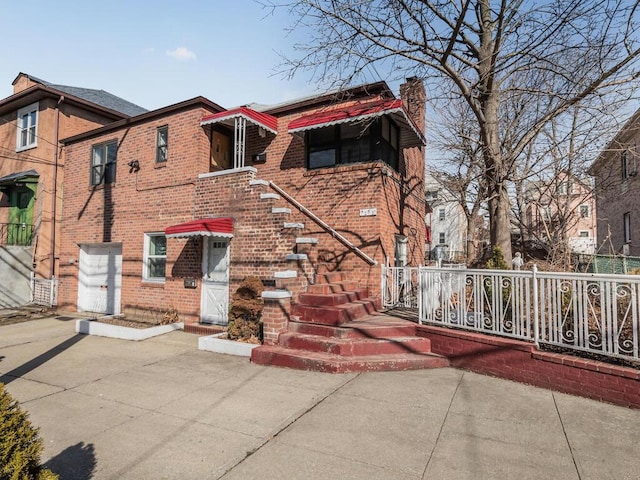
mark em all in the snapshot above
pixel 161 409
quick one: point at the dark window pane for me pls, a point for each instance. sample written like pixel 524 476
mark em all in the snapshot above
pixel 322 136
pixel 157 267
pixel 322 158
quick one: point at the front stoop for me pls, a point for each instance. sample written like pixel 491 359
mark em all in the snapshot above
pixel 336 328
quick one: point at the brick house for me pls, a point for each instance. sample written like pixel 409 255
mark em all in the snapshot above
pixel 32 120
pixel 617 185
pixel 173 208
pixel 561 211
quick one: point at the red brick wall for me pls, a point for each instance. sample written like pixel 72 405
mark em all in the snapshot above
pixel 157 196
pixel 521 362
pixel 73 120
pixel 162 195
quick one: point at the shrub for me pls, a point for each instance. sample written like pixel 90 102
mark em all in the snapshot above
pixel 246 310
pixel 497 262
pixel 20 443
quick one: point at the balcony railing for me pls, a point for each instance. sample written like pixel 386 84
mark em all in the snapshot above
pixel 20 234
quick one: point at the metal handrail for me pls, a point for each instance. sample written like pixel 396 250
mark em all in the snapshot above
pixel 323 224
pixel 16 234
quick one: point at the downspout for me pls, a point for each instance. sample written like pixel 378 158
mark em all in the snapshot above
pixel 54 190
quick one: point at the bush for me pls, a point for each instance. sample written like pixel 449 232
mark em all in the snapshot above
pixel 246 310
pixel 20 443
pixel 497 262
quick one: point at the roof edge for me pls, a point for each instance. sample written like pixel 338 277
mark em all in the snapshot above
pixel 143 117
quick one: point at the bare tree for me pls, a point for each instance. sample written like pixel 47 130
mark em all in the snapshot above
pixel 557 52
pixel 459 166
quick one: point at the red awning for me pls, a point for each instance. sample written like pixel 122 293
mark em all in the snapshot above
pixel 207 227
pixel 264 120
pixel 410 134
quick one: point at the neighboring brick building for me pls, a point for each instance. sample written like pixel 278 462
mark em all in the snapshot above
pixel 561 211
pixel 617 188
pixel 173 208
pixel 32 120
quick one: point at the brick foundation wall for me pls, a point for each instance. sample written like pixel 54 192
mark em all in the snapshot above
pixel 521 362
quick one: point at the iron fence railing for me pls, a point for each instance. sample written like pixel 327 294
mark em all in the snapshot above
pixel 593 313
pixel 16 234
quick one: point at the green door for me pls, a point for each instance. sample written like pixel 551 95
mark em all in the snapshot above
pixel 20 228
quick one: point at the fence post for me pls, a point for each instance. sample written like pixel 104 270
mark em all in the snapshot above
pixel 536 319
pixel 420 285
pixel 33 285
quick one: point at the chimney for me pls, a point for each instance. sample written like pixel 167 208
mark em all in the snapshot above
pixel 414 97
pixel 22 82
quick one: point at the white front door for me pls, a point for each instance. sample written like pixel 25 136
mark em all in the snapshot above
pixel 100 278
pixel 215 281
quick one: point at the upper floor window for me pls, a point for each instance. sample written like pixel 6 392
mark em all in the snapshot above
pixel 353 143
pixel 583 233
pixel 584 211
pixel 155 256
pixel 441 214
pixel 626 222
pixel 624 164
pixel 562 188
pixel 162 142
pixel 27 127
pixel 103 163
pixel 442 237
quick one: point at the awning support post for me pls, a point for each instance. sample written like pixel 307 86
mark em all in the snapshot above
pixel 239 136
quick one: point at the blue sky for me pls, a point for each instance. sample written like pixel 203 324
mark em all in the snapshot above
pixel 151 53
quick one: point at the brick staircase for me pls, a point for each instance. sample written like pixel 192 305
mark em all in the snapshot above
pixel 335 327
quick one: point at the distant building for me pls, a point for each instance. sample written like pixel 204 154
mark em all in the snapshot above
pixel 617 187
pixel 447 222
pixel 562 209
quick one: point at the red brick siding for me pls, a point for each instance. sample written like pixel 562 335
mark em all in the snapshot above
pixel 521 362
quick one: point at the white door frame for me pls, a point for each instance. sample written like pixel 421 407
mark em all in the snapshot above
pixel 211 287
pixel 110 304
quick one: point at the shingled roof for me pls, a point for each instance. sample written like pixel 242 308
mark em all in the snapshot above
pixel 99 97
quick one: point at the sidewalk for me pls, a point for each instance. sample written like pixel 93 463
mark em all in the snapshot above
pixel 161 409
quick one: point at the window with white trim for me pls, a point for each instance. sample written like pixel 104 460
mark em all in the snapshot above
pixel 442 237
pixel 441 214
pixel 583 233
pixel 584 211
pixel 155 257
pixel 27 123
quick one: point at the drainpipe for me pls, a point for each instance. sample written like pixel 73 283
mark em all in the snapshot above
pixel 55 189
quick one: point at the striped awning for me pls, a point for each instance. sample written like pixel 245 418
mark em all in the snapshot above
pixel 204 227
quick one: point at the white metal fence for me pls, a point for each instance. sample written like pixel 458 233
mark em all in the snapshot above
pixel 589 312
pixel 44 291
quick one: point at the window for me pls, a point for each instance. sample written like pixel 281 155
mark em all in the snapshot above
pixel 155 256
pixel 584 211
pixel 626 221
pixel 441 214
pixel 349 143
pixel 27 127
pixel 442 238
pixel 624 164
pixel 103 163
pixel 583 233
pixel 162 138
pixel 562 188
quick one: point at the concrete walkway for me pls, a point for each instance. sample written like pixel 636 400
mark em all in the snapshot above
pixel 161 409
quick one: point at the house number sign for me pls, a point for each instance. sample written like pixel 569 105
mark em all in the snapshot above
pixel 368 212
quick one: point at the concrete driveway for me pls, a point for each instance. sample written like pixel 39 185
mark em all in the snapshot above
pixel 161 409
